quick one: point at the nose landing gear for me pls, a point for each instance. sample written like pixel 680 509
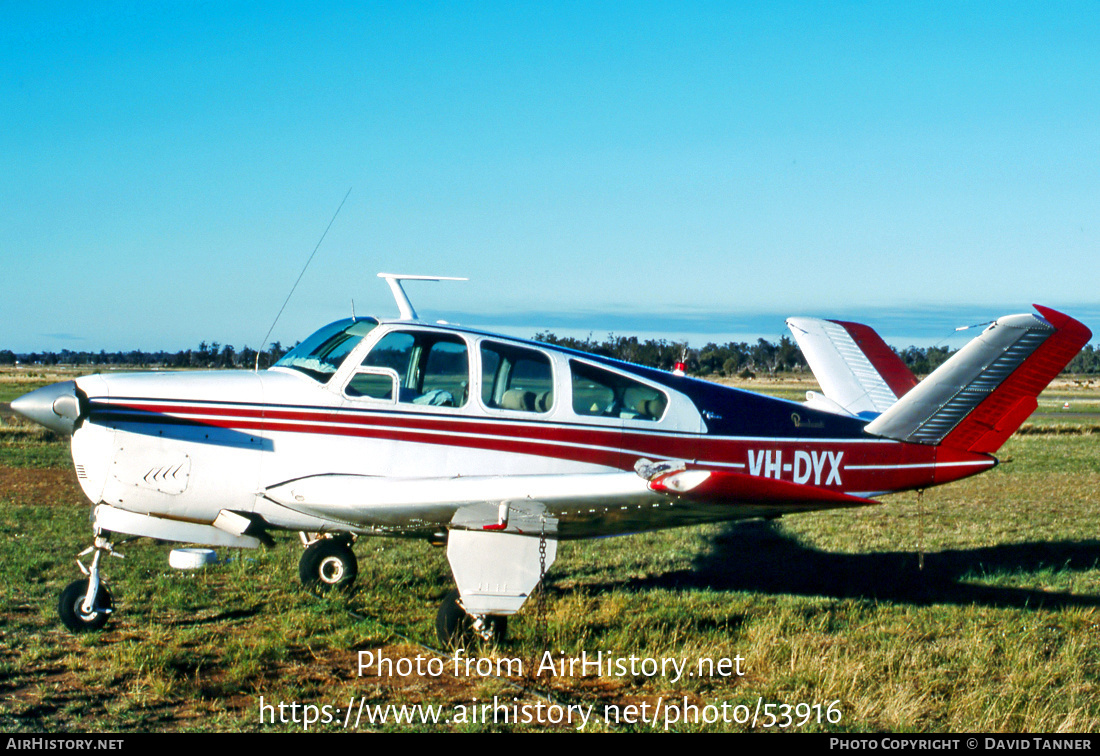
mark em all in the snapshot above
pixel 70 607
pixel 86 604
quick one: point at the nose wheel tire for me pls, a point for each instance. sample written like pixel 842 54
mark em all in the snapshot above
pixel 69 607
pixel 327 564
pixel 455 627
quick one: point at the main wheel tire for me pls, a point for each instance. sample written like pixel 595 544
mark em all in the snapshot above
pixel 73 616
pixel 327 564
pixel 500 627
pixel 455 627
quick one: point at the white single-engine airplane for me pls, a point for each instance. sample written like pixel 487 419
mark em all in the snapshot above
pixel 502 447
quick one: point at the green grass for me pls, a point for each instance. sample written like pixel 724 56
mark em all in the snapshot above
pixel 998 632
pixel 26 445
pixel 14 382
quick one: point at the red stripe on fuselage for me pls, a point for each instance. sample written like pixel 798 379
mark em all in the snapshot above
pixel 866 465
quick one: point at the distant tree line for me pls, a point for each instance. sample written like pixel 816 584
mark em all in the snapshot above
pixel 208 355
pixel 730 359
pixel 725 360
pixel 748 360
pixel 1086 361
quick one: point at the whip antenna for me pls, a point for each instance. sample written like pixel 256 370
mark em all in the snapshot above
pixel 295 286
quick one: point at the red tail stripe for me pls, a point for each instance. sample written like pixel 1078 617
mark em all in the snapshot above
pixel 897 376
pixel 987 427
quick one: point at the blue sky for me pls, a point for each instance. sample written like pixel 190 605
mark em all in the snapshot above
pixel 687 170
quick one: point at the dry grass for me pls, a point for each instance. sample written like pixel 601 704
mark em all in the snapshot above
pixel 999 632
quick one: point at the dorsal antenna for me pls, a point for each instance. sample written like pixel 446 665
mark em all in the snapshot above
pixel 295 286
pixel 404 306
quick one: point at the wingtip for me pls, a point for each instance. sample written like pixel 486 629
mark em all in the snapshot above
pixel 1063 322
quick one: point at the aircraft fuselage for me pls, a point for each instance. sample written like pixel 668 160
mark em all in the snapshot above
pixel 307 455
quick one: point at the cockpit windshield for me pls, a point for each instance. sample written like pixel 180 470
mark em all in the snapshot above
pixel 321 354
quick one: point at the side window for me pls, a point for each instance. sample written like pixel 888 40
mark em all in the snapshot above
pixel 431 369
pixel 602 393
pixel 516 378
pixel 373 383
pixel 445 379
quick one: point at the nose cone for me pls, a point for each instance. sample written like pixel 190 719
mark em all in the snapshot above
pixel 58 407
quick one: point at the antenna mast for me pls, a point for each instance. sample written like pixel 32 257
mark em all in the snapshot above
pixel 295 286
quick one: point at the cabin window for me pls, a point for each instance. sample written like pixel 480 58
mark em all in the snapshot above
pixel 598 392
pixel 373 383
pixel 516 378
pixel 432 369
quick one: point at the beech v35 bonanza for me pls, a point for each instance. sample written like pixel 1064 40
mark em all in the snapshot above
pixel 503 447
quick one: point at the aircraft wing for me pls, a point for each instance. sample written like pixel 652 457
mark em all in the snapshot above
pixel 424 505
pixel 857 371
pixel 579 505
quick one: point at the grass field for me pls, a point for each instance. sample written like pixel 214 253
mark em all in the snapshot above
pixel 998 632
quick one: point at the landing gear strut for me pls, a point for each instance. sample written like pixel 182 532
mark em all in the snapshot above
pixel 328 563
pixel 87 604
pixel 454 626
pixel 498 555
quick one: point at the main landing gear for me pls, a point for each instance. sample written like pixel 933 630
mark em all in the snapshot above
pixel 454 626
pixel 498 556
pixel 328 563
pixel 87 604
